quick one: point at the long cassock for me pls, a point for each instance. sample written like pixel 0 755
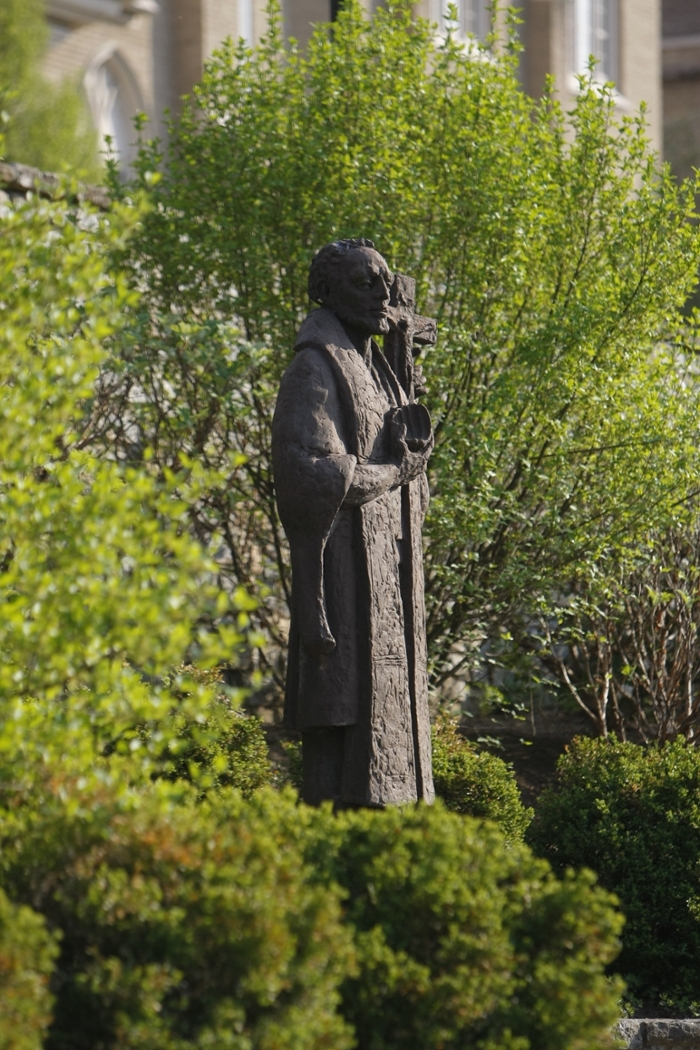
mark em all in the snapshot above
pixel 357 570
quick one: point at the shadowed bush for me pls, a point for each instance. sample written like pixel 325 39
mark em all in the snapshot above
pixel 266 924
pixel 27 954
pixel 476 783
pixel 632 813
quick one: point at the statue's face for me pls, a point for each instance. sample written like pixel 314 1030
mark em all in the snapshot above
pixel 359 293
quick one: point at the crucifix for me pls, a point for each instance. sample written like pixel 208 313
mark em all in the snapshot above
pixel 408 334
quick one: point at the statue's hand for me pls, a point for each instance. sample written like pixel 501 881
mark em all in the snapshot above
pixel 411 462
pixel 413 465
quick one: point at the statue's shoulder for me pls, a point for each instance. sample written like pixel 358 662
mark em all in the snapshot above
pixel 310 367
pixel 318 340
pixel 322 329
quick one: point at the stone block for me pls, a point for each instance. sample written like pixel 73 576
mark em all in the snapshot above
pixel 660 1033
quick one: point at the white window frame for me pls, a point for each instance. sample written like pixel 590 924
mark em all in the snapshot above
pixel 110 60
pixel 595 30
pixel 246 20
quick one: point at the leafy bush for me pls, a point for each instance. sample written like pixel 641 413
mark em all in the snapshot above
pixel 554 252
pixel 216 747
pixel 104 591
pixel 27 954
pixel 632 814
pixel 475 782
pixel 49 124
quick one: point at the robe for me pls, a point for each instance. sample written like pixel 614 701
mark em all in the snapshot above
pixel 357 570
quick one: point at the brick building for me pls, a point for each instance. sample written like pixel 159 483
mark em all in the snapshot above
pixel 144 54
pixel 681 83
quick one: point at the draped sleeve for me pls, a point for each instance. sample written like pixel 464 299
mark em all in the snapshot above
pixel 313 471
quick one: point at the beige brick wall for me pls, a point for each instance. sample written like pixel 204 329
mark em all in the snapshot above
pixel 548 39
pixel 166 52
pixel 640 61
pixel 301 15
pixel 81 45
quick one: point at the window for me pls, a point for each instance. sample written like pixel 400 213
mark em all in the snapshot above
pixel 114 100
pixel 595 33
pixel 245 20
pixel 473 16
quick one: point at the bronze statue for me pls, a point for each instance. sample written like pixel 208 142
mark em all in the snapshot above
pixel 350 445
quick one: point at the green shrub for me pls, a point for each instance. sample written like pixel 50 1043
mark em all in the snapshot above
pixel 462 942
pixel 293 771
pixel 554 250
pixel 475 782
pixel 222 748
pixel 27 954
pixel 183 925
pixel 632 813
pixel 214 746
pixel 266 924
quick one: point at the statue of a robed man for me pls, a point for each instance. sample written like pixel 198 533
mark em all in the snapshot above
pixel 350 446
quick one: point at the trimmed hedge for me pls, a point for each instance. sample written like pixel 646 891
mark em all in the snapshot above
pixel 462 942
pixel 476 783
pixel 27 954
pixel 266 924
pixel 182 925
pixel 632 813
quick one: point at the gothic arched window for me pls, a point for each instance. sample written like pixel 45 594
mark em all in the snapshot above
pixel 114 100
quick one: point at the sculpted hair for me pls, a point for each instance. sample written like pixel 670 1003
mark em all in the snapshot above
pixel 327 259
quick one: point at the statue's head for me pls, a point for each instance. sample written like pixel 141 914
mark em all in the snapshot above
pixel 352 280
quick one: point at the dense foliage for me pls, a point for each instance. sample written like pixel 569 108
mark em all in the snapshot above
pixel 155 903
pixel 631 813
pixel 100 580
pixel 48 125
pixel 265 924
pixel 182 925
pixel 475 782
pixel 27 955
pixel 462 943
pixel 553 251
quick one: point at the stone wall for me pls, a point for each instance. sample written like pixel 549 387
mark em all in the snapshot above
pixel 660 1034
pixel 18 180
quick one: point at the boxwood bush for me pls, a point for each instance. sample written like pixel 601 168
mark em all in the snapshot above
pixel 262 923
pixel 464 943
pixel 475 782
pixel 632 814
pixel 181 925
pixel 27 953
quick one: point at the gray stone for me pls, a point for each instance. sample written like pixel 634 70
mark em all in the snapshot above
pixel 350 445
pixel 17 180
pixel 660 1033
